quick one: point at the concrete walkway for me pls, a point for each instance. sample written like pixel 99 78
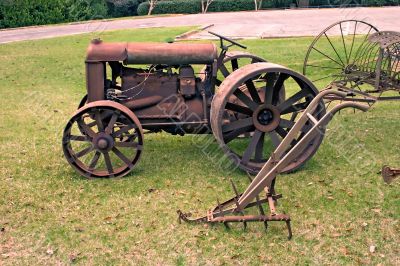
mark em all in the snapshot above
pixel 261 24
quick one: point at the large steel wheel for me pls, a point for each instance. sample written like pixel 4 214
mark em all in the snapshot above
pixel 248 103
pixel 103 139
pixel 337 51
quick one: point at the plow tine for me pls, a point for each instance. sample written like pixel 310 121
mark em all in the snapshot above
pixel 289 228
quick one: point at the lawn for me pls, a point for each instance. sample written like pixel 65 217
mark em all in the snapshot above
pixel 338 202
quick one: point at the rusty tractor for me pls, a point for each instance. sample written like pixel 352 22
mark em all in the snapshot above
pixel 358 64
pixel 182 88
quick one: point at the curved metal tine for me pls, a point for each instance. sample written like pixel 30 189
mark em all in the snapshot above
pixel 94 161
pixel 108 162
pixel 252 146
pixel 362 43
pixel 238 108
pixel 344 44
pixel 253 91
pixel 122 157
pixel 245 99
pixel 245 122
pixel 336 52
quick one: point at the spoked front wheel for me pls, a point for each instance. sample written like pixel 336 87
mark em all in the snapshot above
pixel 103 139
pixel 249 118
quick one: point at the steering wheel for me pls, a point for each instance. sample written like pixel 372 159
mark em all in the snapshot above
pixel 228 39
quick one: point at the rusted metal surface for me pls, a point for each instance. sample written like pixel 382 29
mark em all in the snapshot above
pixel 286 152
pixel 152 53
pixel 389 174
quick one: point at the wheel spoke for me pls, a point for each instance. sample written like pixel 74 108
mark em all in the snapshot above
pixel 245 99
pixel 123 130
pixel 97 117
pixel 84 151
pixel 238 108
pixel 79 138
pixel 278 86
pixel 352 43
pixel 122 157
pixel 86 128
pixel 274 138
pixel 295 108
pixel 128 145
pixel 94 161
pixel 328 57
pixel 253 91
pixel 269 87
pixel 107 159
pixel 260 147
pixel 252 146
pixel 333 47
pixel 233 134
pixel 324 67
pixel 286 123
pixel 292 100
pixel 235 64
pixel 110 125
pixel 281 131
pixel 237 124
pixel 344 44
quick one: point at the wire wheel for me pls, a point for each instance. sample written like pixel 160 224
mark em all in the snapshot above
pixel 337 51
pixel 249 103
pixel 103 139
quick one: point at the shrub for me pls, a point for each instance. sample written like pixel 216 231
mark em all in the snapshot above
pixel 86 9
pixel 194 6
pixel 123 8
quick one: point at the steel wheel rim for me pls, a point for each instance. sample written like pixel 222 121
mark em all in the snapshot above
pixel 112 135
pixel 342 52
pixel 254 157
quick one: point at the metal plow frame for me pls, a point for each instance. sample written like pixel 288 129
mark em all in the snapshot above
pixel 233 209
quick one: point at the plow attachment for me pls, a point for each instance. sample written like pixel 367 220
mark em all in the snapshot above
pixel 261 190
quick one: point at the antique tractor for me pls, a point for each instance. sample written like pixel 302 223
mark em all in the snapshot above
pixel 179 88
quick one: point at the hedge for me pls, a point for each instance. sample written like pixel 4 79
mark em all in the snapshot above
pixel 194 6
pixel 18 13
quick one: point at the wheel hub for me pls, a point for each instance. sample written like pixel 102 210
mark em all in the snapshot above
pixel 266 118
pixel 103 142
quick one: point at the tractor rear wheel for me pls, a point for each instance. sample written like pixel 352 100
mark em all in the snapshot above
pixel 249 103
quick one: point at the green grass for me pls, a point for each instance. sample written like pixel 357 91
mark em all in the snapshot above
pixel 51 215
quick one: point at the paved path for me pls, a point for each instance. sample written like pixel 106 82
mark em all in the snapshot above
pixel 262 24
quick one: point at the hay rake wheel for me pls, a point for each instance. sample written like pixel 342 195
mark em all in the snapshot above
pixel 249 102
pixel 337 50
pixel 103 139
